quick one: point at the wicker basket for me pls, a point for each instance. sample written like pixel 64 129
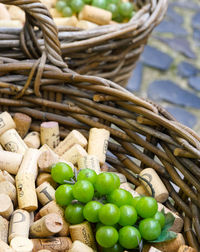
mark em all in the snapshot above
pixel 144 134
pixel 108 51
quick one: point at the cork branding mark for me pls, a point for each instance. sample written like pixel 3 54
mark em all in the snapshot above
pixel 2 123
pixel 86 236
pixel 11 146
pixel 17 217
pixel 45 192
pixel 105 146
pixel 148 176
pixel 20 188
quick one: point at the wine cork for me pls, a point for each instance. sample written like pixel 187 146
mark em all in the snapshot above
pixel 21 244
pixel 178 221
pixel 45 177
pixel 10 161
pixel 46 160
pixel 22 121
pixel 185 248
pixel 6 121
pixel 32 216
pixel 45 193
pixel 161 193
pixel 32 140
pixel 96 15
pixel 11 24
pixel 68 21
pixel 53 244
pixel 167 246
pixel 11 141
pixel 105 168
pixel 98 143
pixel 74 137
pixel 78 246
pixel 49 134
pixel 127 187
pixel 86 25
pixel 53 207
pixel 4 14
pixel 5 176
pixel 121 177
pixel 74 153
pixel 19 224
pixel 29 163
pixel 6 206
pixel 36 217
pixel 142 190
pixel 9 189
pixel 26 194
pixel 5 248
pixel 152 249
pixel 44 250
pixel 3 229
pixel 90 162
pixel 48 225
pixel 16 13
pixel 54 13
pixel 83 232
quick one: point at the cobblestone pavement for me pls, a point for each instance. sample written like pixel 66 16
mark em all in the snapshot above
pixel 169 69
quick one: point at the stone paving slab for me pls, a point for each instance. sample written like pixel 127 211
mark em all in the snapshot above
pixel 175 83
pixel 155 58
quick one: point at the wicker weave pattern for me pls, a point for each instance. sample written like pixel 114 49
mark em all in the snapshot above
pixel 108 51
pixel 144 134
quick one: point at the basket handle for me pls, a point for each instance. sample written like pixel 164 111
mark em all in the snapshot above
pixel 38 15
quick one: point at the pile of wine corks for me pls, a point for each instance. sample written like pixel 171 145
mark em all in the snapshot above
pixel 30 218
pixel 90 17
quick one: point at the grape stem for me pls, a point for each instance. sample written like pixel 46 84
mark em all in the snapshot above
pixel 75 173
pixel 72 182
pixel 145 180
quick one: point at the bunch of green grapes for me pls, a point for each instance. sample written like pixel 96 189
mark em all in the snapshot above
pixel 120 10
pixel 121 219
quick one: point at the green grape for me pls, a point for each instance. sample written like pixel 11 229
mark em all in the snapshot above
pixel 77 5
pixel 120 197
pixel 61 172
pixel 116 248
pixel 107 236
pixel 113 9
pixel 116 180
pixel 128 215
pixel 113 2
pixel 83 191
pixel 99 3
pixel 147 207
pixel 134 201
pixel 99 224
pixel 60 5
pixel 119 18
pixel 132 14
pixel 74 213
pixel 91 211
pixel 159 216
pixel 87 174
pixel 125 9
pixel 109 214
pixel 129 237
pixel 105 183
pixel 150 229
pixel 67 12
pixel 64 195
